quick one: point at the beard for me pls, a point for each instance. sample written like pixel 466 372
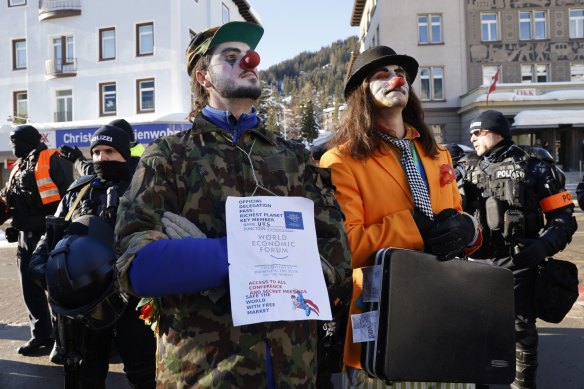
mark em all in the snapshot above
pixel 229 89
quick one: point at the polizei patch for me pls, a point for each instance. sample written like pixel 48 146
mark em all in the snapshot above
pixel 510 173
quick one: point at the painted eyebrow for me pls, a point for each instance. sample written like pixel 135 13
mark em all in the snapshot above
pixel 230 49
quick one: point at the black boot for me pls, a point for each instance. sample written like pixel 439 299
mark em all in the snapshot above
pixel 526 368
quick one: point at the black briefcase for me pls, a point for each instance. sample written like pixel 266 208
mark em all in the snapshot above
pixel 439 321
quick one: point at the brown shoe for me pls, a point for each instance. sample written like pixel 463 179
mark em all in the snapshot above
pixel 35 346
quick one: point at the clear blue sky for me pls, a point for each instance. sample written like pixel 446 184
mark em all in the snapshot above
pixel 294 26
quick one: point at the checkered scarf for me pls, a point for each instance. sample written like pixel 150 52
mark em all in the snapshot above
pixel 417 185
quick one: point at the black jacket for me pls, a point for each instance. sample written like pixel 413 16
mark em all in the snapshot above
pixel 94 202
pixel 22 194
pixel 508 206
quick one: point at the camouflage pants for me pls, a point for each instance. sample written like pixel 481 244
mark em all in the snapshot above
pixel 358 379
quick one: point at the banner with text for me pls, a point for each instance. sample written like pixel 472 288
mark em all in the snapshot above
pixel 274 265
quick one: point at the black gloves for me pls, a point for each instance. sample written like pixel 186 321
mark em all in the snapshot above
pixel 449 233
pixel 71 154
pixel 531 252
pixel 11 234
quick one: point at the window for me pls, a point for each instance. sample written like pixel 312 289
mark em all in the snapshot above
pixel 489 27
pixel 145 95
pixel 429 29
pixel 534 73
pixel 577 72
pixel 577 23
pixel 488 74
pixel 107 44
pixel 541 73
pixel 438 131
pixel 63 50
pixel 432 82
pixel 225 13
pixel 20 111
pixel 145 39
pixel 19 54
pixel 15 3
pixel 107 99
pixel 532 25
pixel 64 111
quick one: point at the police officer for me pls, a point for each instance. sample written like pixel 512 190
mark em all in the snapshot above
pixel 460 164
pixel 37 182
pixel 510 191
pixel 98 195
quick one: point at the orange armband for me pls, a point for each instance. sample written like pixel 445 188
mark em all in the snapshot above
pixel 556 201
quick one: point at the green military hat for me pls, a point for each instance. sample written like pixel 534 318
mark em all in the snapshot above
pixel 207 40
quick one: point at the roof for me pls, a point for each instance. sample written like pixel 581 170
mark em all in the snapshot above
pixel 245 11
pixel 548 118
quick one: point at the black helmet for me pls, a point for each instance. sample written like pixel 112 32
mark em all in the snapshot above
pixel 82 280
pixel 456 152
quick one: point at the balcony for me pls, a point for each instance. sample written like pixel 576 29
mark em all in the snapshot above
pixel 52 9
pixel 58 69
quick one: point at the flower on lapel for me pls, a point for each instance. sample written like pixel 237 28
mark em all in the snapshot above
pixel 447 174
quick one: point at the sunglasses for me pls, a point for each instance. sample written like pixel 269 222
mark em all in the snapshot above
pixel 479 132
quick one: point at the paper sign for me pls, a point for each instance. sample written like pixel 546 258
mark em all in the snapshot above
pixel 274 265
pixel 371 283
pixel 364 326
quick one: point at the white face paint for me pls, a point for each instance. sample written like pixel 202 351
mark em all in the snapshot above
pixel 229 79
pixel 483 141
pixel 384 94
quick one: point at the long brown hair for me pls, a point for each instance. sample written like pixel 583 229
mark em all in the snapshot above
pixel 357 129
pixel 200 95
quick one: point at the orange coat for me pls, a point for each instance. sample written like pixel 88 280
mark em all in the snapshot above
pixel 375 197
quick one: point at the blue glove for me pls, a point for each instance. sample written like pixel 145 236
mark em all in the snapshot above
pixel 180 266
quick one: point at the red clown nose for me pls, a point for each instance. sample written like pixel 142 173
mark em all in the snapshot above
pixel 250 61
pixel 397 82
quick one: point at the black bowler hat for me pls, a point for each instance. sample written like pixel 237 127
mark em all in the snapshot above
pixel 373 58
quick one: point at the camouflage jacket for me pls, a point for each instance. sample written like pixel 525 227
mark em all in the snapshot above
pixel 191 174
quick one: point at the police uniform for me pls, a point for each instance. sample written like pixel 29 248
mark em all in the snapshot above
pixel 192 173
pixel 515 195
pixel 36 184
pixel 133 339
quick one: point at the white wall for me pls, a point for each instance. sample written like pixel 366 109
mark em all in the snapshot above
pixel 172 20
pixel 398 28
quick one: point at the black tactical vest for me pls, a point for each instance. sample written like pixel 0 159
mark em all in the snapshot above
pixel 508 202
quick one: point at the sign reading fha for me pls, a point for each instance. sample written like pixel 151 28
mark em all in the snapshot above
pixel 525 92
pixel 144 133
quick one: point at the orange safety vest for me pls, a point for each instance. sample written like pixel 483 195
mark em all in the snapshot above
pixel 47 188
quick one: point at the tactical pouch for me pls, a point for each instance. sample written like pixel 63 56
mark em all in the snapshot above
pixel 11 234
pixel 494 211
pixel 556 289
pixel 513 224
pixel 515 193
pixel 55 229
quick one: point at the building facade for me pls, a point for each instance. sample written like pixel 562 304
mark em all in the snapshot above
pixel 69 66
pixel 534 47
pixel 433 33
